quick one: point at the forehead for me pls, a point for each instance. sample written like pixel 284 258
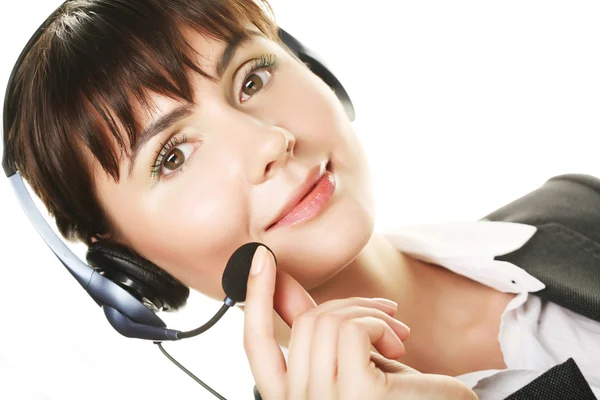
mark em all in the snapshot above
pixel 210 54
pixel 206 49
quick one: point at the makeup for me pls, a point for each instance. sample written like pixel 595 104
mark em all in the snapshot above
pixel 310 204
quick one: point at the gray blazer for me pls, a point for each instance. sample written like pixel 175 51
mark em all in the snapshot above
pixel 564 254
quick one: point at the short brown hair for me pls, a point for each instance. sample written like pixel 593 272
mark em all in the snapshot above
pixel 76 86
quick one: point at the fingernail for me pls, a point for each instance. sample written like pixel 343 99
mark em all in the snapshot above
pixel 405 326
pixel 386 302
pixel 258 260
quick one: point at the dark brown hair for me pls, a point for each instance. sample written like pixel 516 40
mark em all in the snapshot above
pixel 75 89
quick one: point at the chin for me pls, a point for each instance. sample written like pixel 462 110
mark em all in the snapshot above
pixel 315 252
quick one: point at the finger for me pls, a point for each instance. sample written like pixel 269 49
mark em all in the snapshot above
pixel 290 303
pixel 264 354
pixel 400 329
pixel 380 335
pixel 323 351
pixel 323 357
pixel 387 306
pixel 299 357
pixel 354 355
pixel 312 359
pixel 391 366
pixel 291 299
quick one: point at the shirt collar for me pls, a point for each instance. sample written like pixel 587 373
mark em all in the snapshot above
pixel 469 248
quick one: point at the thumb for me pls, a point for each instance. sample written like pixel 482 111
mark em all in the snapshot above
pixel 290 298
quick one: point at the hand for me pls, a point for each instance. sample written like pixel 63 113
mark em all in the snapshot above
pixel 330 353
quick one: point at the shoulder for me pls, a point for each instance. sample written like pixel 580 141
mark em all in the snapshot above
pixel 572 200
pixel 588 181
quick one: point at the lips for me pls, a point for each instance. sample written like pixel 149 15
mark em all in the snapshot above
pixel 308 199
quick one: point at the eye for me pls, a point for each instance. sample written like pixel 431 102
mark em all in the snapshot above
pixel 257 74
pixel 176 157
pixel 254 83
pixel 172 156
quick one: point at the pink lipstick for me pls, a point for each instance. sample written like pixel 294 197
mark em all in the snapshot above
pixel 311 204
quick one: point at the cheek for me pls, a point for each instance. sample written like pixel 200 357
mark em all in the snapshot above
pixel 302 103
pixel 189 230
pixel 309 109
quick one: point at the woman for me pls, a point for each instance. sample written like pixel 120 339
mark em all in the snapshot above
pixel 154 140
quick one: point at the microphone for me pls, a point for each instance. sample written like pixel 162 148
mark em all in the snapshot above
pixel 235 276
pixel 234 282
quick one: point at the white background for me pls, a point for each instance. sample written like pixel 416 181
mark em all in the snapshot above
pixel 462 106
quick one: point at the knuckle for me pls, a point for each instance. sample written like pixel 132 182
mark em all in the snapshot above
pixel 351 326
pixel 372 313
pixel 326 320
pixel 356 300
pixel 305 319
pixel 358 309
pixel 335 303
pixel 346 301
pixel 380 314
pixel 303 322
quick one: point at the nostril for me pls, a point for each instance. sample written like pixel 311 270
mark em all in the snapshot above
pixel 268 167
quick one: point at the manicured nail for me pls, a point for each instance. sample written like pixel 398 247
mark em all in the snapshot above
pixel 258 260
pixel 386 302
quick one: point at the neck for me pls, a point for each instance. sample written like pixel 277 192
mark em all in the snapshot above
pixel 378 271
pixel 439 306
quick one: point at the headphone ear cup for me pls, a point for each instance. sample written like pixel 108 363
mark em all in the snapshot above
pixel 153 286
pixel 330 79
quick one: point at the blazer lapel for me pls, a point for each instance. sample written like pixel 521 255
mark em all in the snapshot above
pixel 569 265
pixel 562 382
pixel 564 253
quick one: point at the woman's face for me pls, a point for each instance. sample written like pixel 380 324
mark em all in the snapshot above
pixel 220 173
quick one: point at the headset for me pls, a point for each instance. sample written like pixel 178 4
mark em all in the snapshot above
pixel 129 288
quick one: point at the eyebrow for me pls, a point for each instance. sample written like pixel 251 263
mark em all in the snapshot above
pixel 231 49
pixel 183 111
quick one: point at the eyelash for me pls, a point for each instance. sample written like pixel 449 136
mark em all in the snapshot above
pixel 162 153
pixel 264 61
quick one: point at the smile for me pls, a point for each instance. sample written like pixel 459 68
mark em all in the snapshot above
pixel 309 199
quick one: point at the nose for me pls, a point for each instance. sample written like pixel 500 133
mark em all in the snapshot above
pixel 274 147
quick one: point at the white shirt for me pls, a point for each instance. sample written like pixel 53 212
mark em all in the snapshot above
pixel 534 335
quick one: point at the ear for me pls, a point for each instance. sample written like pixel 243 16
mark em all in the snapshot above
pixel 150 284
pixel 98 236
